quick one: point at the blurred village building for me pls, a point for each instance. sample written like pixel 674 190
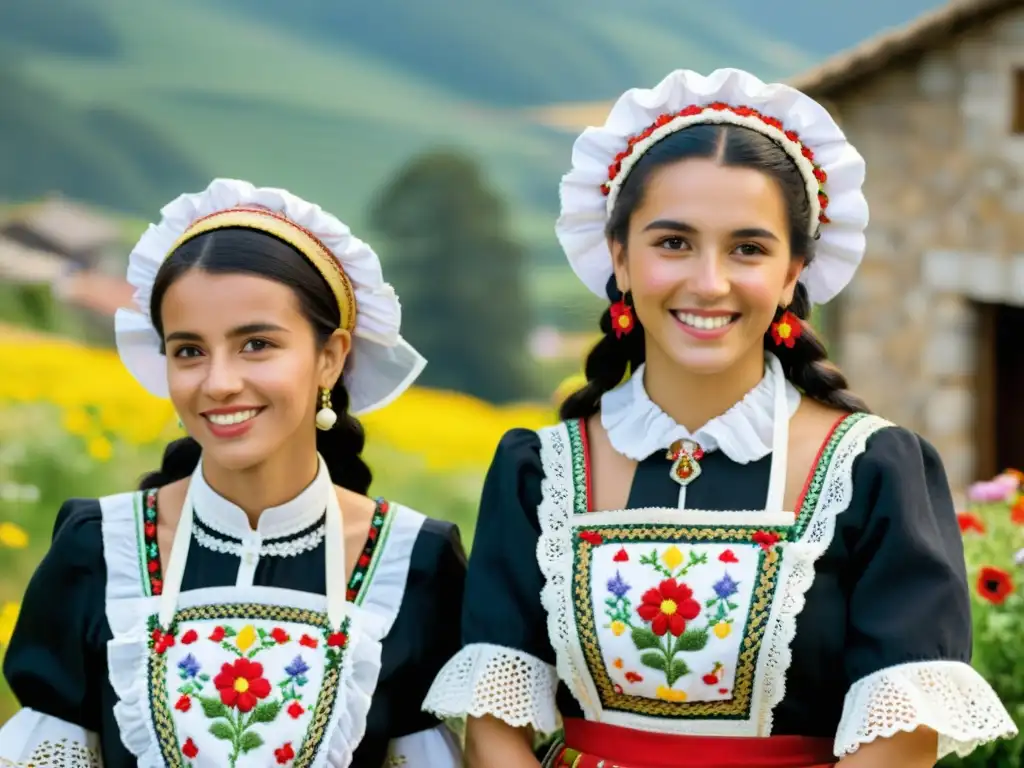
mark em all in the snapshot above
pixel 931 332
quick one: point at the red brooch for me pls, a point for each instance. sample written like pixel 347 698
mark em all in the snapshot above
pixel 786 330
pixel 686 455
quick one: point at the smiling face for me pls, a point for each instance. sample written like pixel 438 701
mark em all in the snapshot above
pixel 708 261
pixel 244 367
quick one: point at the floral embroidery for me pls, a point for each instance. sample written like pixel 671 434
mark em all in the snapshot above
pixel 720 606
pixel 296 672
pixel 284 754
pixel 363 564
pixel 193 680
pixel 151 549
pixel 189 749
pixel 673 562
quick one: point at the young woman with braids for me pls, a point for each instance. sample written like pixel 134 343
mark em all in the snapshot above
pixel 719 558
pixel 250 605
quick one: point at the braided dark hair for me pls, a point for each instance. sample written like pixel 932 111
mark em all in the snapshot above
pixel 806 364
pixel 244 251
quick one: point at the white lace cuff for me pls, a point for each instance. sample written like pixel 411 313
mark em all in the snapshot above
pixel 32 738
pixel 434 748
pixel 949 697
pixel 484 679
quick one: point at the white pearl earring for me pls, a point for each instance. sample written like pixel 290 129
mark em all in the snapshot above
pixel 326 418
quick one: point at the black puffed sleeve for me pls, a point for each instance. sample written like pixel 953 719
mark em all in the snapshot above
pixel 910 600
pixel 54 663
pixel 428 623
pixel 503 603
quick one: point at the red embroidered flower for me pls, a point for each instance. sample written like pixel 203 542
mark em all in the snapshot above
pixel 152 566
pixel 633 677
pixel 728 557
pixel 309 642
pixel 184 704
pixel 622 318
pixel 786 330
pixel 1017 511
pixel 217 635
pixel 295 710
pixel 163 642
pixel 156 586
pixel 242 684
pixel 364 560
pixel 190 637
pixel 284 754
pixel 668 608
pixel 149 530
pixel 279 635
pixel 621 556
pixel 337 640
pixel 592 537
pixel 968 521
pixel 189 749
pixel 765 539
pixel 994 584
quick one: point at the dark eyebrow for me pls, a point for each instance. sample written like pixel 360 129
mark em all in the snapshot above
pixel 241 330
pixel 682 226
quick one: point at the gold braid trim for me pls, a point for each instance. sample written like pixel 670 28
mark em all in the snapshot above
pixel 300 238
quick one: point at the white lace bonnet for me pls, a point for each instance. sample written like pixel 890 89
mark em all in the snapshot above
pixel 382 364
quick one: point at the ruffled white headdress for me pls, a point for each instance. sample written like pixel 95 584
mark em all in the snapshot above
pixel 382 364
pixel 833 170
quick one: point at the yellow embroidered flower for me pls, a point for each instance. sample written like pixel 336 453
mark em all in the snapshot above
pixel 618 628
pixel 672 558
pixel 669 694
pixel 13 536
pixel 246 637
pixel 722 629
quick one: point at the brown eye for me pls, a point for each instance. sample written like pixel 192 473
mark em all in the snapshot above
pixel 750 249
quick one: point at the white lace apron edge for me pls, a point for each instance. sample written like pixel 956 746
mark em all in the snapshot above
pixel 28 732
pixel 127 611
pixel 484 679
pixel 948 697
pixel 554 555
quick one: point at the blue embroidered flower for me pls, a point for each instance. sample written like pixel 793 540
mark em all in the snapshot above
pixel 297 667
pixel 189 666
pixel 725 587
pixel 617 586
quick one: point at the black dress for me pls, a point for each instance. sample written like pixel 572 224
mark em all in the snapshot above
pixel 410 577
pixel 848 621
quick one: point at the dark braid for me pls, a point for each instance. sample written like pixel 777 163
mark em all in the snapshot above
pixel 807 364
pixel 607 362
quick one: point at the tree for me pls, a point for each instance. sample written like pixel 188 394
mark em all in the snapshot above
pixel 459 274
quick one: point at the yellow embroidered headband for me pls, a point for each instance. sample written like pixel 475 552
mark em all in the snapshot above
pixel 283 228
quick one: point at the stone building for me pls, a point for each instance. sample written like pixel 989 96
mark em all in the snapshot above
pixel 931 332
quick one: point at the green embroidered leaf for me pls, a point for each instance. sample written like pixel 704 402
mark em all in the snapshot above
pixel 301 680
pixel 732 605
pixel 223 730
pixel 711 602
pixel 214 707
pixel 266 712
pixel 250 740
pixel 653 660
pixel 643 639
pixel 229 632
pixel 204 677
pixel 677 670
pixel 692 640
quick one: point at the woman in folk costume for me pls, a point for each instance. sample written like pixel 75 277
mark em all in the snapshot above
pixel 250 606
pixel 720 558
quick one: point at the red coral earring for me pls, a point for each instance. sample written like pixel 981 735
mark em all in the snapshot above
pixel 786 330
pixel 622 318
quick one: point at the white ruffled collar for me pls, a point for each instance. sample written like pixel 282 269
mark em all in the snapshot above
pixel 287 519
pixel 637 427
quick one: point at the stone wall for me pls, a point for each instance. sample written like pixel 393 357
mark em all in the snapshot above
pixel 946 188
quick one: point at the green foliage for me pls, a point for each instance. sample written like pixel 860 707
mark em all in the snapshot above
pixel 456 266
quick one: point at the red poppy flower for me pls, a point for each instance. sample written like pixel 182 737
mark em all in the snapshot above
pixel 309 642
pixel 190 637
pixel 786 330
pixel 622 318
pixel 968 521
pixel 189 749
pixel 284 754
pixel 242 684
pixel 1017 511
pixel 994 584
pixel 668 608
pixel 295 710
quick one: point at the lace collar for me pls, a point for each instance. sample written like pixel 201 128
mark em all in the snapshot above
pixel 637 427
pixel 289 519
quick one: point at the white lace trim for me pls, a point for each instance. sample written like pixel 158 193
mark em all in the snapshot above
pixel 289 548
pixel 554 555
pixel 949 697
pixel 638 428
pixel 484 679
pixel 32 738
